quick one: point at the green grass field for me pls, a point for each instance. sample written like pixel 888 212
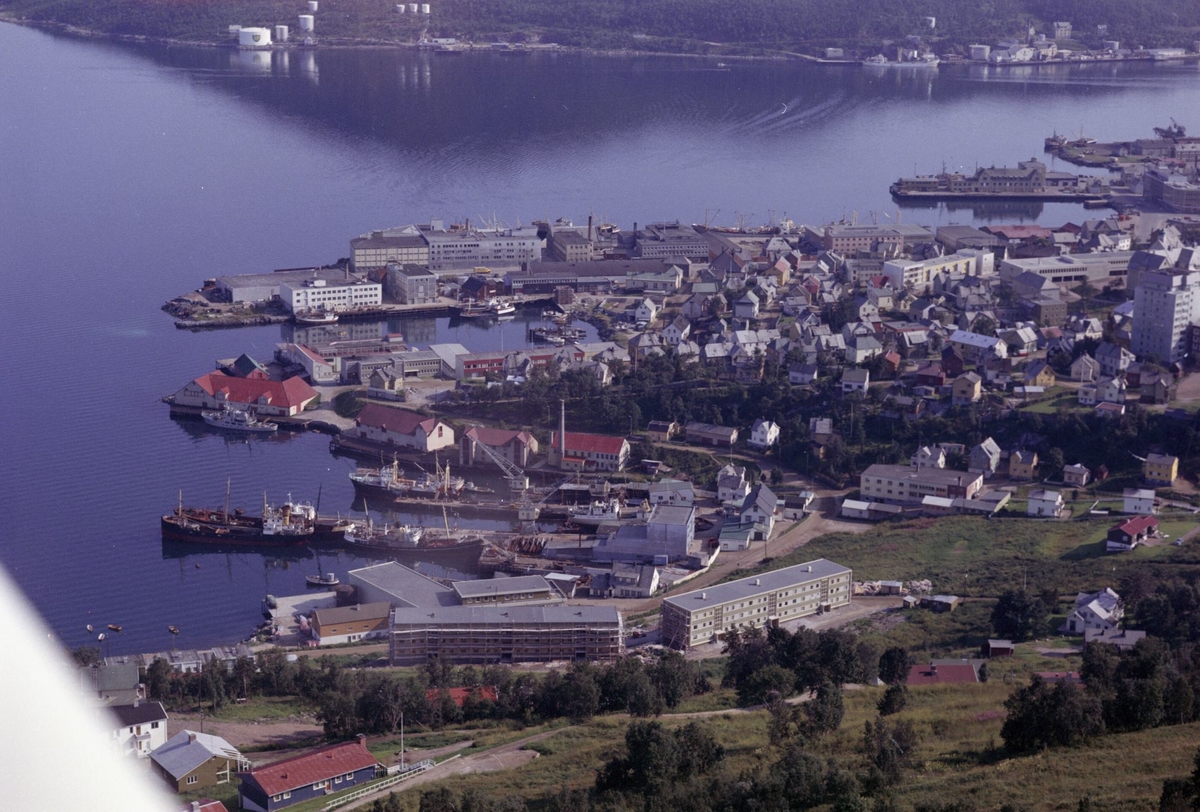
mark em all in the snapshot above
pixel 972 556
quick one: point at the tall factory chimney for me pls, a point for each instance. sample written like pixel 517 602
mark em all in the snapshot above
pixel 562 433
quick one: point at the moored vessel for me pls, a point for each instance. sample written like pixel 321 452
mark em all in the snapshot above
pixel 232 419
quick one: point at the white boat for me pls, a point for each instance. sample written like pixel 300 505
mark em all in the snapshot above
pixel 597 512
pixel 500 307
pixel 389 536
pixel 315 317
pixel 237 420
pixel 328 579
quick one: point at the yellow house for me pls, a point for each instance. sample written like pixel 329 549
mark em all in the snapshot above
pixel 1022 464
pixel 1039 373
pixel 1160 469
pixel 967 388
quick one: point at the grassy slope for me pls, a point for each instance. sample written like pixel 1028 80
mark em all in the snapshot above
pixel 973 556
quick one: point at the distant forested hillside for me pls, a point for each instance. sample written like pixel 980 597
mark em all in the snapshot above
pixel 747 26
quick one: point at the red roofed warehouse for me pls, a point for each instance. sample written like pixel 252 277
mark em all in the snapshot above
pixel 1130 533
pixel 321 772
pixel 515 446
pixel 390 426
pixel 589 452
pixel 211 391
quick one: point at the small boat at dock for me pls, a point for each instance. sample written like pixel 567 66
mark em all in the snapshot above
pixel 231 419
pixel 313 318
pixel 327 579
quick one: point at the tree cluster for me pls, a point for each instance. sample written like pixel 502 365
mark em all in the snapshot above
pixel 350 700
pixel 776 661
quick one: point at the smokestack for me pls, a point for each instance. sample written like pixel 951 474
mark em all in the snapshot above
pixel 562 433
pixel 589 228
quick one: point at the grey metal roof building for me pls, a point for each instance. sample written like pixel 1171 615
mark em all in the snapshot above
pixel 509 591
pixel 400 586
pixel 700 617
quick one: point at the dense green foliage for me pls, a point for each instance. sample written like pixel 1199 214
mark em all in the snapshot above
pixel 1018 615
pixel 351 700
pixel 752 26
pixel 776 661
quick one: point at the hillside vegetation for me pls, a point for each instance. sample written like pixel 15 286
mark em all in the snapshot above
pixel 746 26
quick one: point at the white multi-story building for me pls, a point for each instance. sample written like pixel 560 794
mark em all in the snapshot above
pixel 906 485
pixel 403 245
pixel 463 248
pixel 1164 304
pixel 699 617
pixel 918 275
pixel 319 294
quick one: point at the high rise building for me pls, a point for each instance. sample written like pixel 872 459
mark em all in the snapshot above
pixel 1164 304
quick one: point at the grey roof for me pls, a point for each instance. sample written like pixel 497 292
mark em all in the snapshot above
pixel 671 514
pixel 345 614
pixel 756 585
pixel 187 750
pixel 501 586
pixel 407 586
pixel 507 615
pixel 139 714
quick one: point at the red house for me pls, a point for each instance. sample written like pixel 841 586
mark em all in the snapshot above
pixel 315 775
pixel 267 397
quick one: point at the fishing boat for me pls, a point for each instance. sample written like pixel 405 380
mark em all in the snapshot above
pixel 500 307
pixel 386 480
pixel 232 419
pixel 471 487
pixel 327 579
pixel 596 512
pixel 413 540
pixel 315 317
pixel 290 523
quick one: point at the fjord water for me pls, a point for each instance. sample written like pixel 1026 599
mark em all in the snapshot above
pixel 129 173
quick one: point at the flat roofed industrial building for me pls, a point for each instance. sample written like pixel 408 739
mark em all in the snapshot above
pixel 694 618
pixel 509 591
pixel 506 634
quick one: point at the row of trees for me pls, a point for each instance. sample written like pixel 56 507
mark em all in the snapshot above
pixel 351 700
pixel 774 661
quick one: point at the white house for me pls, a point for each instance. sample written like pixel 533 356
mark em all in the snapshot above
pixel 856 380
pixel 402 428
pixel 764 434
pixel 671 492
pixel 1095 611
pixel 647 311
pixel 731 484
pixel 139 728
pixel 1139 500
pixel 929 457
pixel 1045 503
pixel 761 507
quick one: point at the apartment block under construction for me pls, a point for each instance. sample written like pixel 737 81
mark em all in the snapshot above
pixel 699 617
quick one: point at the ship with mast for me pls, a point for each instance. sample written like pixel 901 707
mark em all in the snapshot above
pixel 290 523
pixel 397 538
pixel 388 481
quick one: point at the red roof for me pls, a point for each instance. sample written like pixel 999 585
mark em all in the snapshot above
pixel 292 393
pixel 206 805
pixel 593 443
pixel 1137 525
pixel 327 762
pixel 398 421
pixel 927 674
pixel 459 695
pixel 1018 232
pixel 496 437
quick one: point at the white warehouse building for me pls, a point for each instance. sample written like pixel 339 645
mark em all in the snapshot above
pixel 318 294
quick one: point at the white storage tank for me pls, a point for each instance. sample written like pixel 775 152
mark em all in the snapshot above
pixel 424 8
pixel 980 53
pixel 312 6
pixel 412 8
pixel 401 8
pixel 306 22
pixel 254 38
pixel 281 33
pixel 1112 45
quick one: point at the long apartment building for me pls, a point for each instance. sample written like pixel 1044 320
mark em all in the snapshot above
pixel 908 485
pixel 506 634
pixel 699 617
pixel 1099 268
pixel 456 249
pixel 320 294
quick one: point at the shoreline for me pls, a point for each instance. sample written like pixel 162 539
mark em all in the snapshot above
pixel 337 43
